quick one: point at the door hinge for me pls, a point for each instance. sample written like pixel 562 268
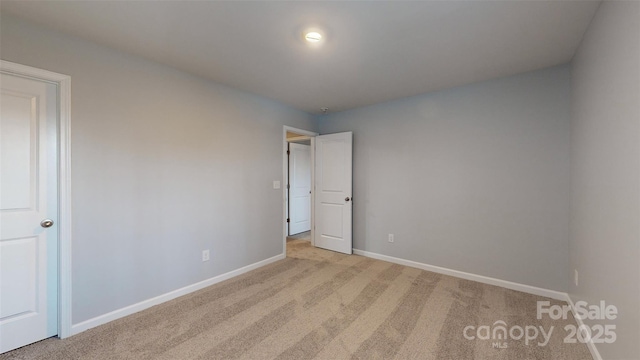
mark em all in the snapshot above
pixel 288 152
pixel 288 219
pixel 288 186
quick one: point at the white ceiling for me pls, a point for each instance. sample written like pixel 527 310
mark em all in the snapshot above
pixel 374 51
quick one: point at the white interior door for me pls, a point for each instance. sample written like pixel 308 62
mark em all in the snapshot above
pixel 28 195
pixel 333 198
pixel 299 188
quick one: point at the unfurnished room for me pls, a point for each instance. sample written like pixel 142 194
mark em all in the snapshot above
pixel 437 180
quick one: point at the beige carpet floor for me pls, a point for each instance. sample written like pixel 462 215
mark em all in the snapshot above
pixel 318 304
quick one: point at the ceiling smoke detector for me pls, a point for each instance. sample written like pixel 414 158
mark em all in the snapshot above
pixel 324 109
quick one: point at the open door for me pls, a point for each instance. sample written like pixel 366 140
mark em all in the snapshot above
pixel 333 197
pixel 28 211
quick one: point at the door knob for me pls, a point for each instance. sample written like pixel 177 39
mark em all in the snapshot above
pixel 347 199
pixel 46 223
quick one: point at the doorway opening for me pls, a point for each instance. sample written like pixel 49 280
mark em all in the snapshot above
pixel 325 197
pixel 298 179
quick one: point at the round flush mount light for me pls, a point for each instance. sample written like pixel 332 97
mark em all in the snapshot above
pixel 313 36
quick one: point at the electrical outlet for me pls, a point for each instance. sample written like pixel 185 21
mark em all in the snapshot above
pixel 575 276
pixel 276 184
pixel 391 239
pixel 205 255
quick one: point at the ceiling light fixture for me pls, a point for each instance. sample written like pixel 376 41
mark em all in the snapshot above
pixel 313 36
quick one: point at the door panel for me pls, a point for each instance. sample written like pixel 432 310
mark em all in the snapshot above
pixel 28 291
pixel 19 287
pixel 333 171
pixel 332 215
pixel 19 126
pixel 300 188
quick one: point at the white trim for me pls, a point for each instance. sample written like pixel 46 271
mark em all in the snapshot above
pixel 313 190
pixel 590 345
pixel 285 179
pixel 468 276
pixel 64 204
pixel 63 82
pixel 131 309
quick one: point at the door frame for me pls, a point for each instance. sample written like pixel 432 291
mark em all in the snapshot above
pixel 285 177
pixel 63 85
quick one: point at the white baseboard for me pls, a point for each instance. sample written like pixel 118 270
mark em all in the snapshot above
pixel 131 309
pixel 592 347
pixel 468 276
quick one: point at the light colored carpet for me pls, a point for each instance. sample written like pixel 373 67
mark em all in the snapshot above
pixel 318 304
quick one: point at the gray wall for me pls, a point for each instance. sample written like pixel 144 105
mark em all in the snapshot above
pixel 473 178
pixel 157 171
pixel 605 171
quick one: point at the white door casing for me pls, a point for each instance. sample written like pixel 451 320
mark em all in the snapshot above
pixel 28 195
pixel 299 188
pixel 333 192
